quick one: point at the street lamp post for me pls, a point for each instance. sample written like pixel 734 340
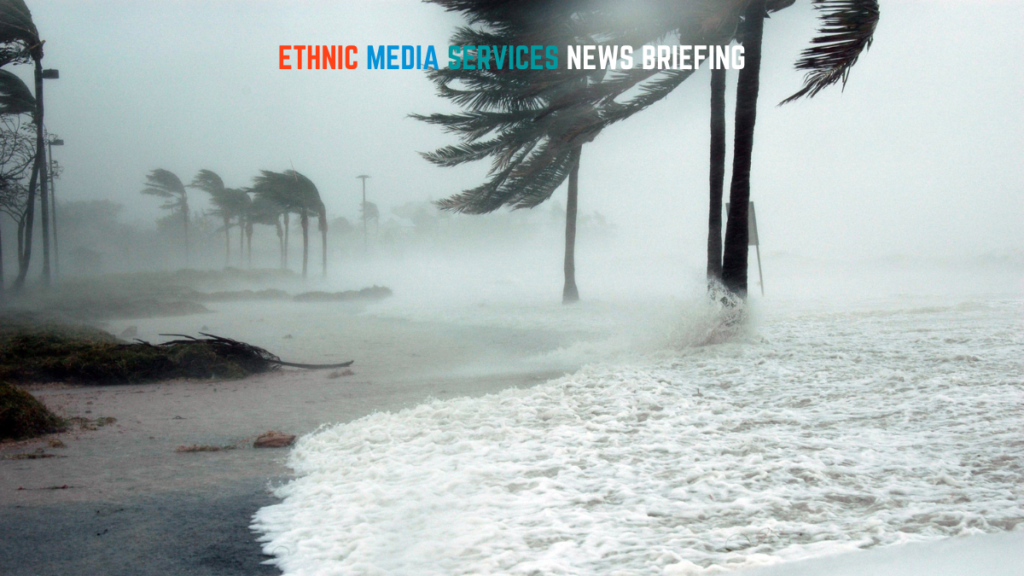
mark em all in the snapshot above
pixel 48 74
pixel 363 177
pixel 53 141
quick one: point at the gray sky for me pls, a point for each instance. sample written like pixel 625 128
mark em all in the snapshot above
pixel 920 155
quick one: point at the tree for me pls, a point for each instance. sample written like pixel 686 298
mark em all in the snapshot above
pixel 716 176
pixel 294 192
pixel 165 184
pixel 523 119
pixel 229 203
pixel 16 152
pixel 263 210
pixel 20 43
pixel 847 30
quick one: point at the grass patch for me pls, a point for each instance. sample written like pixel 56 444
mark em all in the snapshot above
pixel 23 416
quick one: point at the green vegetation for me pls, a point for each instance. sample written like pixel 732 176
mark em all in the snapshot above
pixel 55 353
pixel 22 416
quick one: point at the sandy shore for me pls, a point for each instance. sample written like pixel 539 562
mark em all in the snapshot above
pixel 120 500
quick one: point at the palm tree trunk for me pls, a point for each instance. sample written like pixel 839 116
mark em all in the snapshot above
pixel 241 241
pixel 734 264
pixel 323 241
pixel 280 240
pixel 284 254
pixel 717 176
pixel 26 229
pixel 184 213
pixel 304 222
pixel 570 293
pixel 248 235
pixel 227 239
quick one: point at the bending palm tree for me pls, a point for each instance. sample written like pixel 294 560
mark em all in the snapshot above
pixel 526 121
pixel 165 184
pixel 295 193
pixel 15 99
pixel 268 213
pixel 19 42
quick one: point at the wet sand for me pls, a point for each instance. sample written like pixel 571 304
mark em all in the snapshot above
pixel 120 500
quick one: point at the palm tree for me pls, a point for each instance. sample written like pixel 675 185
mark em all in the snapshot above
pixel 296 193
pixel 716 176
pixel 734 260
pixel 229 203
pixel 19 42
pixel 847 30
pixel 165 184
pixel 15 99
pixel 265 211
pixel 526 121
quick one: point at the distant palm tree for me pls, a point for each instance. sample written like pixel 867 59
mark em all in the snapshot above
pixel 296 193
pixel 264 211
pixel 165 184
pixel 229 203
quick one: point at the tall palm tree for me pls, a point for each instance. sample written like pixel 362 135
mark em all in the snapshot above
pixel 296 193
pixel 19 42
pixel 716 176
pixel 165 184
pixel 523 120
pixel 229 203
pixel 734 259
pixel 15 99
pixel 264 211
pixel 847 30
pixel 208 181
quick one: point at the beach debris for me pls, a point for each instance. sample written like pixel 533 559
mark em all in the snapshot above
pixel 274 439
pixel 202 448
pixel 253 354
pixel 72 354
pixel 340 373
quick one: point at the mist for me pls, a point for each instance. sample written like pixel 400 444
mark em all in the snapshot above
pixel 186 86
pixel 444 406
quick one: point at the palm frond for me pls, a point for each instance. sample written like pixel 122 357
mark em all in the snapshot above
pixel 18 33
pixel 15 97
pixel 164 184
pixel 847 30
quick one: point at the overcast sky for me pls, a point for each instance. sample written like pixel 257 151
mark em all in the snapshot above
pixel 920 155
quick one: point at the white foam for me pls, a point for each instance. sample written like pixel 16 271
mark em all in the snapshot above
pixel 816 434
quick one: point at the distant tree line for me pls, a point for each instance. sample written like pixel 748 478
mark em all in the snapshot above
pixel 24 176
pixel 271 201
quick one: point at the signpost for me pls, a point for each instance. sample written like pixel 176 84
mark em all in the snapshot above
pixel 753 239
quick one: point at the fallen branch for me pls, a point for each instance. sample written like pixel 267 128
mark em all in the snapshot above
pixel 242 348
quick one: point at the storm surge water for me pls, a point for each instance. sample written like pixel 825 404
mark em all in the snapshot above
pixel 817 430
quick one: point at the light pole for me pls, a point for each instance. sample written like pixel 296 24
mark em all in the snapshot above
pixel 54 141
pixel 48 74
pixel 363 177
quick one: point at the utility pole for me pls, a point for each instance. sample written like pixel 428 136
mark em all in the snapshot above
pixel 54 141
pixel 363 177
pixel 44 193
